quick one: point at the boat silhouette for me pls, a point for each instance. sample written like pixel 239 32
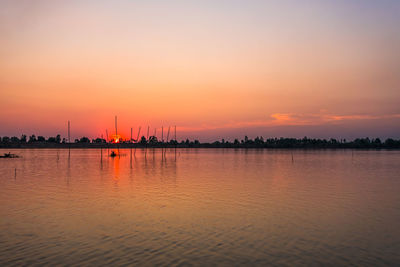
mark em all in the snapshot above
pixel 9 155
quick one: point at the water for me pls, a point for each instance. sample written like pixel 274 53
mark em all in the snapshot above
pixel 200 207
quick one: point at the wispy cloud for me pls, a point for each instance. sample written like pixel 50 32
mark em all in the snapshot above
pixel 292 119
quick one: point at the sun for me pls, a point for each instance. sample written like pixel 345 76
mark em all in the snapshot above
pixel 116 138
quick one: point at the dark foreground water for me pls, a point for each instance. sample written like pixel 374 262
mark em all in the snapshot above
pixel 200 207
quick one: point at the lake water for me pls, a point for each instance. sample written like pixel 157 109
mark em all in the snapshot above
pixel 200 207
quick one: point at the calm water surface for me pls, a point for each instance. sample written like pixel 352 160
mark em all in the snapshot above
pixel 200 207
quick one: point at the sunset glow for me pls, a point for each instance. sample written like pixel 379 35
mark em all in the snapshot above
pixel 214 69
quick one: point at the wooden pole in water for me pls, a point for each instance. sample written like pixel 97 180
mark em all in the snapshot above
pixel 101 145
pixel 137 138
pixel 176 142
pixel 131 136
pixel 169 127
pixel 69 137
pixel 147 140
pixel 162 141
pixel 108 145
pixel 116 132
pixel 69 132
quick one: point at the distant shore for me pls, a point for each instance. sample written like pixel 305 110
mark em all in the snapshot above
pixel 284 143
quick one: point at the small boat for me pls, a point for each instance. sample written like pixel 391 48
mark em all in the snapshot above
pixel 9 155
pixel 113 154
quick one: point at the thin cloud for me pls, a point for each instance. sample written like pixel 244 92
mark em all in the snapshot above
pixel 290 119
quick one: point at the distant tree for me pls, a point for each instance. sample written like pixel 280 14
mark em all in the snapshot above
pixel 84 140
pixel 58 139
pixel 32 138
pixel 259 141
pixel 173 142
pixel 23 138
pixel 143 140
pixel 41 139
pixel 236 142
pixel 14 139
pixel 51 140
pixel 390 143
pixel 377 141
pixel 6 139
pixel 153 140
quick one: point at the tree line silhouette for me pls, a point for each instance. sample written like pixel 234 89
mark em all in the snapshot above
pixel 152 141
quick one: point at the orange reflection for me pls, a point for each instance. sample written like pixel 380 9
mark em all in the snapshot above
pixel 116 168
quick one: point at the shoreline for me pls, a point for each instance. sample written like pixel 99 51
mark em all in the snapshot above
pixel 203 146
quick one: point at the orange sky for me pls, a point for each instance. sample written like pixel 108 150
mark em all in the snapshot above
pixel 213 68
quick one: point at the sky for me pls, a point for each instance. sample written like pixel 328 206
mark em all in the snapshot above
pixel 215 69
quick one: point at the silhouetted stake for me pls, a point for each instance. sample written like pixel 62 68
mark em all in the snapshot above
pixel 69 135
pixel 292 158
pixel 169 127
pixel 116 132
pixel 162 134
pixel 69 132
pixel 108 149
pixel 116 135
pixel 176 142
pixel 138 134
pixel 101 152
pixel 147 141
pixel 131 137
pixel 15 173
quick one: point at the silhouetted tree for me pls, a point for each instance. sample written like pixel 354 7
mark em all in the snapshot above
pixel 32 138
pixel 84 140
pixel 98 140
pixel 153 140
pixel 51 139
pixel 143 140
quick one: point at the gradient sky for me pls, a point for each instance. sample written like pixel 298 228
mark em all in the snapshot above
pixel 216 69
